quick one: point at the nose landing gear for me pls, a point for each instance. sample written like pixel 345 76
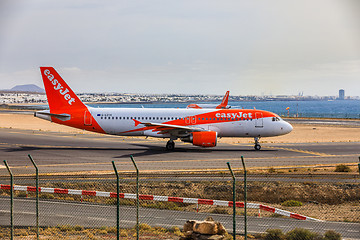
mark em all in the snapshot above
pixel 257 144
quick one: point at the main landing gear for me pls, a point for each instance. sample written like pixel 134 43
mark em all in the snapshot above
pixel 257 144
pixel 170 145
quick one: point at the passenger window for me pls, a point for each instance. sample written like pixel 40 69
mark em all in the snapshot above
pixel 101 117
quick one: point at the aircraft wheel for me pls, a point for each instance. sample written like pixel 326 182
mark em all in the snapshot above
pixel 257 147
pixel 170 145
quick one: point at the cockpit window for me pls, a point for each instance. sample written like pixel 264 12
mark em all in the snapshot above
pixel 275 119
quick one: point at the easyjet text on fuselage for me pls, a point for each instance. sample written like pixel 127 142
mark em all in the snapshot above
pixel 234 115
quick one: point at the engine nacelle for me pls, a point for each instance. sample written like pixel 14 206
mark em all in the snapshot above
pixel 202 139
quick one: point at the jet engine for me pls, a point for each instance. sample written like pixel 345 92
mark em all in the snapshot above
pixel 202 139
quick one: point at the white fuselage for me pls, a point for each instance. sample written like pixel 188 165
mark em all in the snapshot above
pixel 120 121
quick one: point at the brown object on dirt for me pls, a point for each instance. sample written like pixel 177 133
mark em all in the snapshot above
pixel 203 230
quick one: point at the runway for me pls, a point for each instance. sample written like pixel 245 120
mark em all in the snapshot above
pixel 62 153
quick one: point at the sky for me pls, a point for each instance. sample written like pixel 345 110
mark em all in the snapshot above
pixel 258 47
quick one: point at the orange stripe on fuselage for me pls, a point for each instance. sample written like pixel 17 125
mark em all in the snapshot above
pixel 220 116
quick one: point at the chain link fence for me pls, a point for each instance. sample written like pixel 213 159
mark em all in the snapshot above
pixel 281 203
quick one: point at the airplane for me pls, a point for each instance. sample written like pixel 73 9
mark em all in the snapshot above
pixel 222 105
pixel 201 127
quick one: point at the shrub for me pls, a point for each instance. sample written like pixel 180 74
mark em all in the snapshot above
pixel 342 168
pixel 176 231
pixel 123 233
pixel 219 210
pixel 302 234
pixel 274 234
pixel 332 235
pixel 46 196
pixel 78 228
pixel 112 230
pixel 21 194
pixel 65 228
pixel 144 227
pixel 291 203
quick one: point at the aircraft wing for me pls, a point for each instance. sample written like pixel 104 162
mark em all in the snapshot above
pixel 163 128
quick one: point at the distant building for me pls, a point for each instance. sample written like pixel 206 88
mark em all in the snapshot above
pixel 341 94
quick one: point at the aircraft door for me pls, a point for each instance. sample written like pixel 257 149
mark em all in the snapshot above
pixel 87 118
pixel 259 121
pixel 193 120
pixel 187 120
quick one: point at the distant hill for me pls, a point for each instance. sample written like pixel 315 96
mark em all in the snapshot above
pixel 27 88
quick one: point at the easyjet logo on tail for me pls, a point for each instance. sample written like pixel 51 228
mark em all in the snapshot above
pixel 59 87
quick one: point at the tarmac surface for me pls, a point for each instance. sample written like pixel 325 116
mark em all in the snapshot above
pixel 54 213
pixel 63 152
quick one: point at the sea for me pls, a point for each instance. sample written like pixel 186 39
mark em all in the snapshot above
pixel 348 109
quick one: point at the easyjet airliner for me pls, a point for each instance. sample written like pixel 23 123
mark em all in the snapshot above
pixel 201 127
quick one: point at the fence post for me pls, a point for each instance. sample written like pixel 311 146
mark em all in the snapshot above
pixel 37 196
pixel 117 203
pixel 11 201
pixel 245 198
pixel 137 197
pixel 234 200
pixel 359 165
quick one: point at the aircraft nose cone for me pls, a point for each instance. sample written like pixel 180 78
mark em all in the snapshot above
pixel 287 127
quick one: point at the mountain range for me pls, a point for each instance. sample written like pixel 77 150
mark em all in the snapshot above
pixel 26 88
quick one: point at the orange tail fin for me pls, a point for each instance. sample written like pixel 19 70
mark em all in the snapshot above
pixel 59 94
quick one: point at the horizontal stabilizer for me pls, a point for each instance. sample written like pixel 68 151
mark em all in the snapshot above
pixel 47 115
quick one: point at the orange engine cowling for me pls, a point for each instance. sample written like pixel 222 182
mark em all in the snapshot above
pixel 203 139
